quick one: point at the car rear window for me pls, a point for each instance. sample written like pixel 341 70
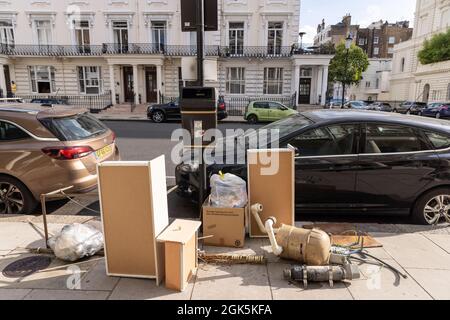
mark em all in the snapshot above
pixel 73 128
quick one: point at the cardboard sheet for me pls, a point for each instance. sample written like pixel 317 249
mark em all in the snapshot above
pixel 274 189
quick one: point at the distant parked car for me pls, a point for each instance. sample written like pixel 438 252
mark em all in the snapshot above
pixel 437 110
pixel 358 105
pixel 411 107
pixel 159 113
pixel 380 106
pixel 267 111
pixel 334 104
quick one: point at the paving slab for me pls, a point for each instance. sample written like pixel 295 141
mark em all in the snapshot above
pixel 285 290
pixel 17 234
pixel 435 282
pixel 143 289
pixel 13 294
pixel 441 240
pixel 379 283
pixel 415 251
pixel 234 282
pixel 59 276
pixel 411 228
pixel 97 280
pixel 251 247
pixel 44 294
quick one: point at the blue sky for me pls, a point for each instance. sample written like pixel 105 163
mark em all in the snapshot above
pixel 363 12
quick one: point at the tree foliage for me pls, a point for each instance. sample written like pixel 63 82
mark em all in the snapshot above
pixel 348 67
pixel 437 49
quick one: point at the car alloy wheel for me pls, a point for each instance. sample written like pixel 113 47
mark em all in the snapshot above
pixel 437 208
pixel 420 113
pixel 12 200
pixel 158 117
pixel 438 115
pixel 408 112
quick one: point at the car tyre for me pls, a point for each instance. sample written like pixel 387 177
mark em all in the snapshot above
pixel 158 117
pixel 438 115
pixel 252 119
pixel 430 207
pixel 420 113
pixel 15 198
pixel 395 111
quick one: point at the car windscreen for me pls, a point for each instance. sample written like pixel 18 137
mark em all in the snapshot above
pixel 73 128
pixel 283 128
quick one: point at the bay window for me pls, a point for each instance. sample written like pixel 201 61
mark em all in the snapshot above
pixel 90 80
pixel 42 79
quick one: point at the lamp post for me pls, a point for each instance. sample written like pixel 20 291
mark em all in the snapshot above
pixel 348 44
pixel 301 34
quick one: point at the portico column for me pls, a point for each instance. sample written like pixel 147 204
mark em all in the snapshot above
pixel 319 85
pixel 136 84
pixel 3 81
pixel 112 81
pixel 159 82
pixel 296 82
pixel 324 86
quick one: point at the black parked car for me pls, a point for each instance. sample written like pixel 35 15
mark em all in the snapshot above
pixel 411 107
pixel 48 102
pixel 359 162
pixel 171 111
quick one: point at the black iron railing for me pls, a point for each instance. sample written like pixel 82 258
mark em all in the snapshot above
pixel 94 103
pixel 156 49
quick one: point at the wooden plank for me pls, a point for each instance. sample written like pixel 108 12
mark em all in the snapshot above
pixel 173 271
pixel 180 231
pixel 274 190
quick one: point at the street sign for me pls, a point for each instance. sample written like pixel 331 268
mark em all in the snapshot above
pixel 189 15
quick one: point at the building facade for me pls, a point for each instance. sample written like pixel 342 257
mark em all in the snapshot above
pixel 335 33
pixel 378 39
pixel 411 80
pixel 135 50
pixel 374 85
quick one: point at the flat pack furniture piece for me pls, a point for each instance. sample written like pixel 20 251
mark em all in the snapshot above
pixel 272 184
pixel 133 200
pixel 181 241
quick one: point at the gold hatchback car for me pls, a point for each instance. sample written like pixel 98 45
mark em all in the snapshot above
pixel 46 149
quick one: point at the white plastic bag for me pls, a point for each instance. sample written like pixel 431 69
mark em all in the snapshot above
pixel 76 241
pixel 228 191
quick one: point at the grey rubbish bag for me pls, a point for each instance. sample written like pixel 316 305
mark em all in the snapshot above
pixel 76 241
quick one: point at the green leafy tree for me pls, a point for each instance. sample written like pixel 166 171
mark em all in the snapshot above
pixel 347 66
pixel 437 49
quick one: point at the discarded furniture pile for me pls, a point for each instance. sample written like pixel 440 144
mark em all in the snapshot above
pixel 139 242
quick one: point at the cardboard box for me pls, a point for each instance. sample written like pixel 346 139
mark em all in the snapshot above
pixel 226 225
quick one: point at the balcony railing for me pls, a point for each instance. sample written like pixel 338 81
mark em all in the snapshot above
pixel 154 49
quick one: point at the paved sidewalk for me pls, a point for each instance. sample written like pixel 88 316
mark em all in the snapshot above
pixel 422 252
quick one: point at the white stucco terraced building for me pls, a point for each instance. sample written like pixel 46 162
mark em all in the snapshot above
pixel 410 80
pixel 136 48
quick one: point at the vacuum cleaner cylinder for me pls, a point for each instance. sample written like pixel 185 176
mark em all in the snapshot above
pixel 311 247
